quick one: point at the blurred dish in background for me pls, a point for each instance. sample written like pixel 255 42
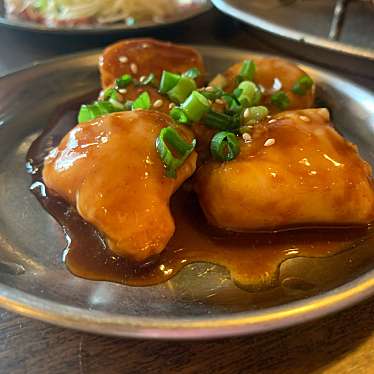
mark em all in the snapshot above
pixel 97 15
pixel 324 30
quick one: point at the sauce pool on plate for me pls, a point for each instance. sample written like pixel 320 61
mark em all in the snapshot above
pixel 253 259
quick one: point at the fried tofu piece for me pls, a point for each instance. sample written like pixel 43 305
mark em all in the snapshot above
pixel 273 74
pixel 110 171
pixel 140 57
pixel 296 171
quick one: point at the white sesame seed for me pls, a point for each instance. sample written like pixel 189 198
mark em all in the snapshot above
pixel 210 102
pixel 219 101
pixel 122 91
pixel 209 89
pixel 269 142
pixel 123 59
pixel 246 113
pixel 247 137
pixel 134 68
pixel 158 103
pixel 142 78
pixel 272 120
pixel 171 105
pixel 304 118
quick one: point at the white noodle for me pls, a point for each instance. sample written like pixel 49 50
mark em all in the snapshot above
pixel 103 11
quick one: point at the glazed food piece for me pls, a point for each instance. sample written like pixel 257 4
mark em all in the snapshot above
pixel 275 75
pixel 109 169
pixel 296 170
pixel 141 57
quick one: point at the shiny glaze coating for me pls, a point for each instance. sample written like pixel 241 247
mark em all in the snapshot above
pixel 273 73
pixel 147 56
pixel 110 170
pixel 296 171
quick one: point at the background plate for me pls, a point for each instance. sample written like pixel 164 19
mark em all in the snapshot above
pixel 302 28
pixel 201 301
pixel 197 7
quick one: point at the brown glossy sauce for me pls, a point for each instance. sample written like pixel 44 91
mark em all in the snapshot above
pixel 253 259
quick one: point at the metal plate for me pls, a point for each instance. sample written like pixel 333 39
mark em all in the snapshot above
pixel 308 24
pixel 201 301
pixel 197 7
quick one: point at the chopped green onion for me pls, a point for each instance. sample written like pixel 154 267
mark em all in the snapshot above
pixel 254 114
pixel 179 115
pixel 123 81
pixel 220 121
pixel 116 104
pixel 192 73
pixel 168 81
pixel 281 100
pixel 104 107
pixel 85 114
pixel 97 109
pixel 173 150
pixel 247 71
pixel 128 105
pixel 302 85
pixel 258 96
pixel 143 101
pixel 237 92
pixel 215 93
pixel 224 146
pixel 195 106
pixel 110 93
pixel 182 89
pixel 248 93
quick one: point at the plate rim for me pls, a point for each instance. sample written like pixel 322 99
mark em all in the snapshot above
pixel 240 323
pixel 24 25
pixel 292 34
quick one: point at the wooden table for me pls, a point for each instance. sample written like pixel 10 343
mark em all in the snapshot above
pixel 341 343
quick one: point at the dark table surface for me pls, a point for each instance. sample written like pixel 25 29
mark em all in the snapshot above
pixel 340 343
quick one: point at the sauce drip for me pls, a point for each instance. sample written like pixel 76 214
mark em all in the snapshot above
pixel 253 259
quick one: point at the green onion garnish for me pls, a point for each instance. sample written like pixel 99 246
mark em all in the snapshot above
pixel 173 150
pixel 213 94
pixel 302 85
pixel 220 121
pixel 127 105
pixel 168 81
pixel 179 115
pixel 195 106
pixel 118 106
pixel 224 146
pixel 247 71
pixel 281 100
pixel 182 89
pixel 143 101
pixel 254 114
pixel 110 93
pixel 248 93
pixel 97 109
pixel 123 81
pixel 192 73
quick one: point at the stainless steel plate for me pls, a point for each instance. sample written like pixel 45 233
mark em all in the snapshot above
pixel 308 23
pixel 201 301
pixel 197 7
